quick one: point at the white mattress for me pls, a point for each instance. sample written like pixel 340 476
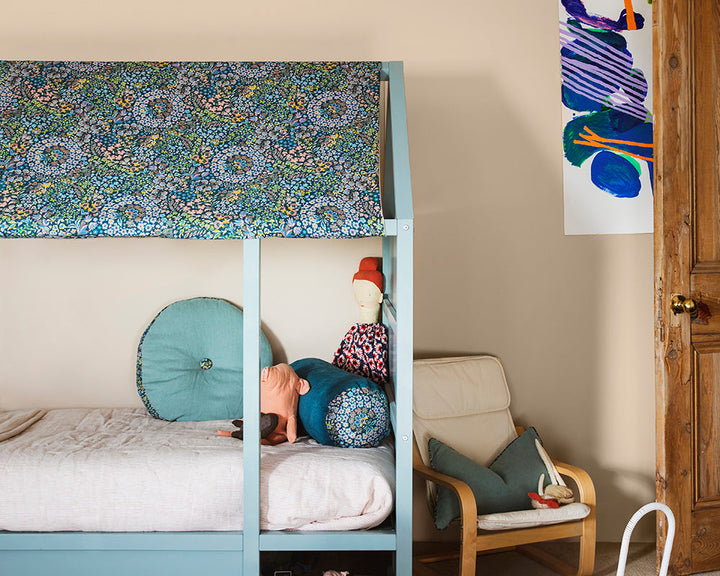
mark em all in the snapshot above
pixel 120 470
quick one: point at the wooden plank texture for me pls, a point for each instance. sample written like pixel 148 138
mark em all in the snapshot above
pixel 705 292
pixel 706 79
pixel 706 541
pixel 672 103
pixel 687 263
pixel 707 424
pixel 705 283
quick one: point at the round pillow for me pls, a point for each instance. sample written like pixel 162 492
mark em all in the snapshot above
pixel 341 409
pixel 190 361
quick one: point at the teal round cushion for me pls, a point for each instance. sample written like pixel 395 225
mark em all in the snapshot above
pixel 190 361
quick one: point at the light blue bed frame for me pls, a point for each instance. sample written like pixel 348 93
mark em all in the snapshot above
pixel 238 553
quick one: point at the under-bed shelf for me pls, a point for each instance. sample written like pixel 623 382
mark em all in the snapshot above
pixel 84 541
pixel 177 553
pixel 376 539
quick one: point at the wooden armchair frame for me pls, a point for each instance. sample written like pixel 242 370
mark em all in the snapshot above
pixel 474 540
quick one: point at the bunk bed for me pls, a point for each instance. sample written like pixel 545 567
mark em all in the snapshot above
pixel 240 166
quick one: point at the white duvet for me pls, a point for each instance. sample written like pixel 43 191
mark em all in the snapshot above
pixel 120 470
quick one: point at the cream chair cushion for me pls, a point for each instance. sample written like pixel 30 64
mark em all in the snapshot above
pixel 465 403
pixel 530 518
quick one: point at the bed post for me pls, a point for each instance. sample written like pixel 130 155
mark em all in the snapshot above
pixel 398 312
pixel 251 407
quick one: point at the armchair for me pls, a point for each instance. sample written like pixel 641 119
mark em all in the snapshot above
pixel 464 402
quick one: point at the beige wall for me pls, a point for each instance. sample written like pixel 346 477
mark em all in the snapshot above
pixel 571 317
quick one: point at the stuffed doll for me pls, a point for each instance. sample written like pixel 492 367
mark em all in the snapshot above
pixel 367 285
pixel 363 350
pixel 280 390
pixel 554 494
pixel 268 423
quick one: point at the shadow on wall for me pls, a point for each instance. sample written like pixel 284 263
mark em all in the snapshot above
pixel 495 274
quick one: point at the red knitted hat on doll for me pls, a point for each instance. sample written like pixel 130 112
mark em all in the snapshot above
pixel 369 269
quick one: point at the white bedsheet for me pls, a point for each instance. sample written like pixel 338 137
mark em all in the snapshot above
pixel 118 470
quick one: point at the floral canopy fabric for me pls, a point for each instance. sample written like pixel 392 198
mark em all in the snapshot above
pixel 189 149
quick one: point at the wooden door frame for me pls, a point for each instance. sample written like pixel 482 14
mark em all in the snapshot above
pixel 672 101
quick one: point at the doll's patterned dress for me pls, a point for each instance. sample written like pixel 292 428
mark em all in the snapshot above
pixel 364 351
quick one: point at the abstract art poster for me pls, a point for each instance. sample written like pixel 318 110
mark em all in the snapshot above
pixel 606 68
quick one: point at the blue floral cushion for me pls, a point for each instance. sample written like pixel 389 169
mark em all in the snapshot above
pixel 341 409
pixel 190 361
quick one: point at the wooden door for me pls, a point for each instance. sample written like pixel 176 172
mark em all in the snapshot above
pixel 687 264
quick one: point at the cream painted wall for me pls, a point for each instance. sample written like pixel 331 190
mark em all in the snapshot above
pixel 571 317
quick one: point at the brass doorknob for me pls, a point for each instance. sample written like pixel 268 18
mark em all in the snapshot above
pixel 680 304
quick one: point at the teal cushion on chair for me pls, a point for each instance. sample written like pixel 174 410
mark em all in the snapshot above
pixel 190 361
pixel 501 487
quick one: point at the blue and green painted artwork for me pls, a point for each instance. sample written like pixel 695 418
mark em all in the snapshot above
pixel 608 129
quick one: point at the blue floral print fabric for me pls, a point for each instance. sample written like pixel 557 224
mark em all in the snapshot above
pixel 189 150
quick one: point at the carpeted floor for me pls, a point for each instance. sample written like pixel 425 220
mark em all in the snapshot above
pixel 641 561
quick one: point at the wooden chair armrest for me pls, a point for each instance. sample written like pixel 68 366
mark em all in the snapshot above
pixel 457 486
pixel 585 486
pixel 468 506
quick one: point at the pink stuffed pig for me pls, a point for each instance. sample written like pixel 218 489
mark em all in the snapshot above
pixel 280 390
